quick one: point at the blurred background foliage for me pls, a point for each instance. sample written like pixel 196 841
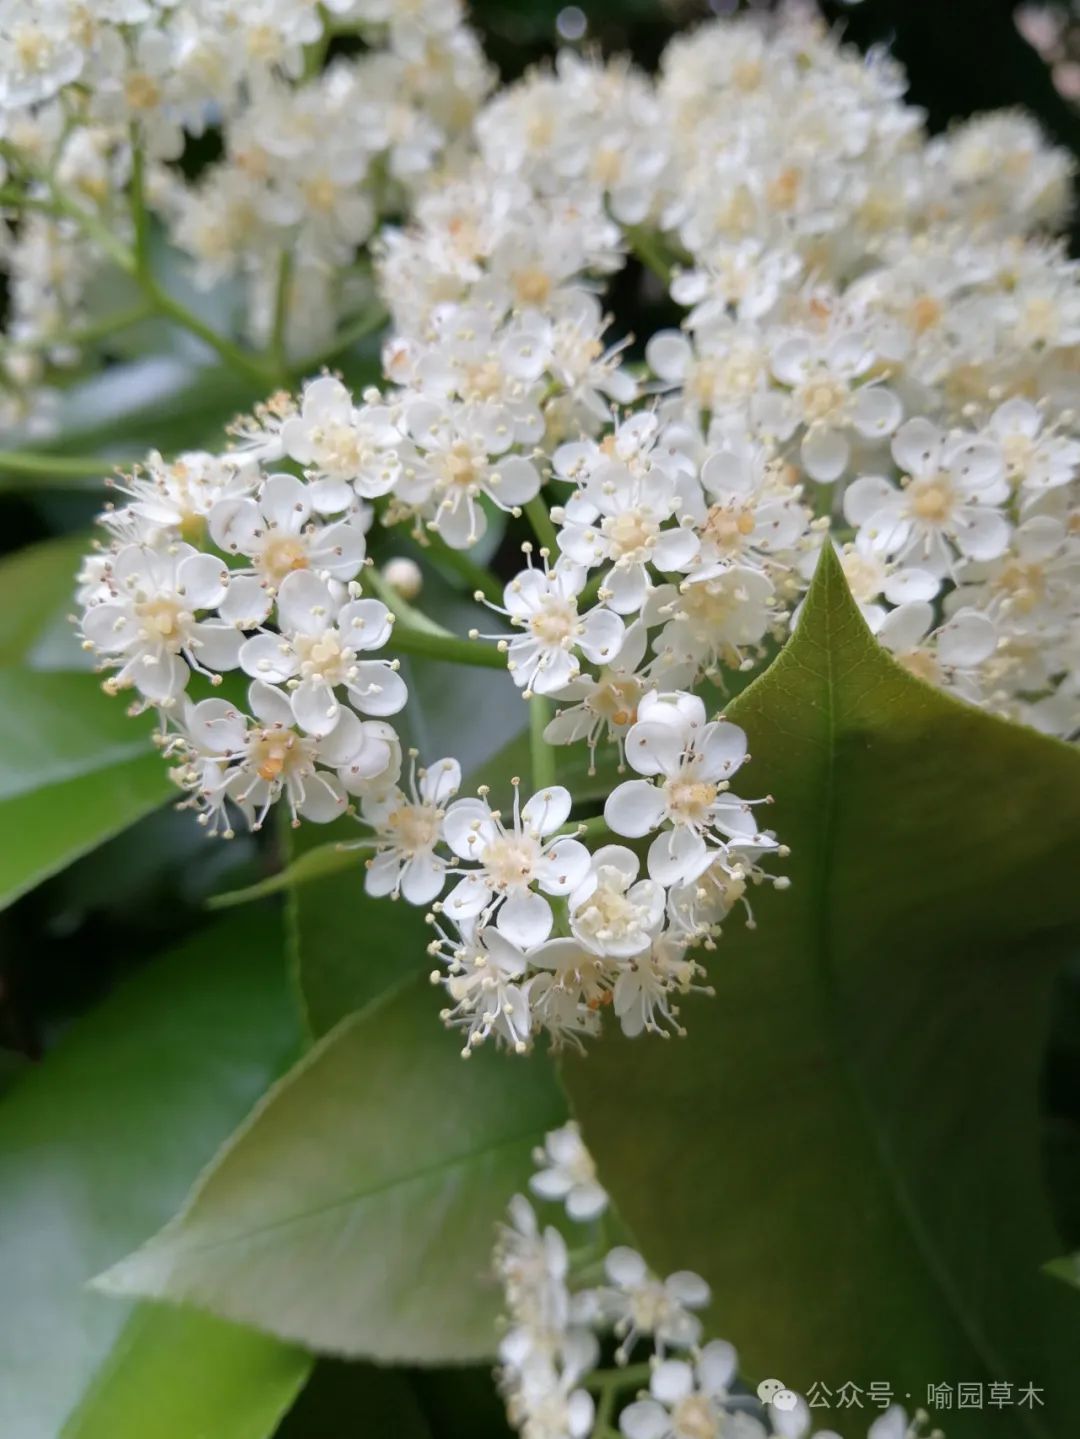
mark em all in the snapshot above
pixel 65 944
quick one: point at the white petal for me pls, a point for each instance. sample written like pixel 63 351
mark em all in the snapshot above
pixel 247 602
pixel 365 624
pixel 305 604
pixel 602 636
pixel 269 658
pixel 625 1266
pixel 722 749
pixel 984 536
pixel 216 644
pixel 677 856
pixel 285 502
pixel 315 707
pixel 376 689
pixel 644 1419
pixel 671 1381
pixel 967 639
pixel 716 1366
pixel 634 809
pixel 563 867
pixel 423 880
pixel 876 411
pixel 202 580
pixel 825 453
pixel 916 447
pixel 525 919
pixel 653 747
pixel 865 497
pixel 548 810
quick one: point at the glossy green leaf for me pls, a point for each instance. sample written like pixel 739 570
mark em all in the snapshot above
pixel 36 586
pixel 847 1143
pixel 176 1373
pixel 97 1147
pixel 355 1211
pixel 74 770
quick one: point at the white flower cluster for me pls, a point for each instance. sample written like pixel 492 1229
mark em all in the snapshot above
pixel 312 156
pixel 872 355
pixel 550 1354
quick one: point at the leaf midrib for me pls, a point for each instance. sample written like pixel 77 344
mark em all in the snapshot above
pixel 356 1197
pixel 893 1185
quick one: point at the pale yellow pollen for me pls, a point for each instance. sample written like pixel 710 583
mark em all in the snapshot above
pixel 694 1418
pixel 728 525
pixel 161 619
pixel 281 555
pixel 321 193
pixel 415 827
pixel 689 799
pixel 925 314
pixel 630 534
pixel 509 860
pixel 532 286
pixel 931 499
pixel 273 752
pixel 141 91
pixel 615 699
pixel 820 396
pixel 556 624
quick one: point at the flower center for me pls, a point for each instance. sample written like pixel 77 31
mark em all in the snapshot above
pixel 460 466
pixel 509 860
pixel 922 665
pixel 281 555
pixel 556 624
pixel 323 657
pixel 274 752
pixel 631 534
pixel 689 801
pixel 616 700
pixel 820 396
pixel 141 92
pixel 931 500
pixel 162 619
pixel 695 1418
pixel 413 827
pixel 863 574
pixel 728 525
pixel 924 314
pixel 1025 585
pixel 532 286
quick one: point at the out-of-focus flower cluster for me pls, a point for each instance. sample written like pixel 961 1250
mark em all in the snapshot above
pixel 879 350
pixel 558 1330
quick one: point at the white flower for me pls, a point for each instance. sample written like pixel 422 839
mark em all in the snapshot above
pixel 148 625
pixel 643 1306
pixel 607 702
pixel 255 762
pixel 612 911
pixel 953 487
pixel 316 653
pixel 692 763
pixel 569 1174
pixel 408 828
pixel 830 395
pixel 458 456
pixel 177 496
pixel 485 978
pixel 618 519
pixel 1036 458
pixel 344 450
pixel 511 860
pixel 276 533
pixel 686 1401
pixel 544 604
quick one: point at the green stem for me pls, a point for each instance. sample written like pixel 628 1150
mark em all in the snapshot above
pixel 474 575
pixel 25 462
pixel 649 249
pixel 233 355
pixel 110 324
pixel 633 1376
pixel 281 315
pixel 543 529
pixel 541 754
pixel 140 216
pixel 450 648
pixel 408 614
pixel 372 319
pixel 594 828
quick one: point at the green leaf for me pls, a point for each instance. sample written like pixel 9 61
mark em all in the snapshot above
pixel 97 1147
pixel 1067 1268
pixel 36 586
pixel 74 770
pixel 846 1145
pixel 355 1211
pixel 175 1373
pixel 349 949
pixel 317 863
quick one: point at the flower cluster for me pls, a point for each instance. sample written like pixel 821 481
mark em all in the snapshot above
pixel 550 1366
pixel 878 351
